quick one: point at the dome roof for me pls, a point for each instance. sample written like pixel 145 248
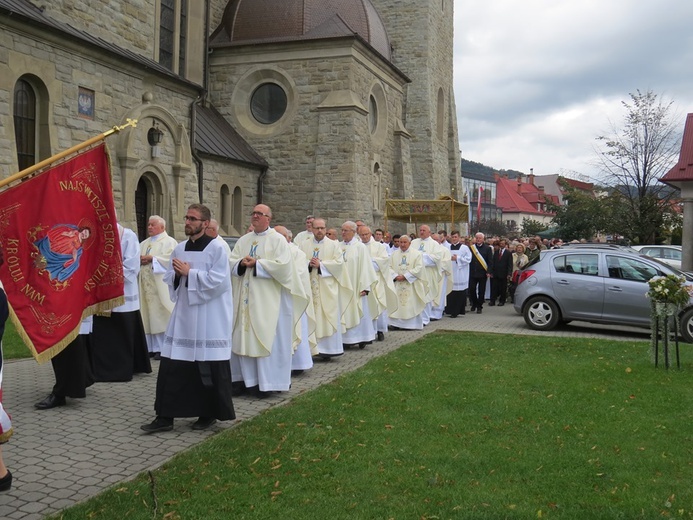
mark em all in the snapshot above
pixel 259 21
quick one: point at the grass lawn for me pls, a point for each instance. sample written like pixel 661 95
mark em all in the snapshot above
pixel 12 345
pixel 453 426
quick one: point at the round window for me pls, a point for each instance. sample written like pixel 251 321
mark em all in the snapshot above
pixel 268 103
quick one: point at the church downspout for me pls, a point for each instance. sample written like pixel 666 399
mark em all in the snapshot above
pixel 261 184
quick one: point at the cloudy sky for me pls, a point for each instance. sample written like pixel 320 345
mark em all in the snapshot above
pixel 536 81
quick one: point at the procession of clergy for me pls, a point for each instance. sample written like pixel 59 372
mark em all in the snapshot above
pixel 228 322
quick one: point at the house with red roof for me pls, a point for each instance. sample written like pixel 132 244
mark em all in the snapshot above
pixel 523 200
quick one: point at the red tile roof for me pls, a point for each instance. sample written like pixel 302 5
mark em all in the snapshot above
pixel 683 171
pixel 511 201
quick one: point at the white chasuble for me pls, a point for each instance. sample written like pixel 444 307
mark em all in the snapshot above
pixel 330 285
pixel 411 292
pixel 267 296
pixel 384 296
pixel 432 253
pixel 155 301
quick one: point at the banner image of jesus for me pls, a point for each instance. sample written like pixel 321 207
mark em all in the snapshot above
pixel 62 249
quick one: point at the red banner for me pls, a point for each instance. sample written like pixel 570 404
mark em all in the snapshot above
pixel 62 251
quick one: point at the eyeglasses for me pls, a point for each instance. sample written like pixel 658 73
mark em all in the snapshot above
pixel 192 219
pixel 258 214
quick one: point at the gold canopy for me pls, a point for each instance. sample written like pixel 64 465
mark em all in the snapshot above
pixel 444 209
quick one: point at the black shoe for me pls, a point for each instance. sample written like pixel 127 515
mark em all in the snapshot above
pixel 472 309
pixel 295 373
pixel 6 482
pixel 381 336
pixel 501 304
pixel 160 424
pixel 238 388
pixel 203 423
pixel 453 315
pixel 51 401
pixel 157 356
pixel 346 346
pixel 256 392
pixel 491 304
pixel 478 311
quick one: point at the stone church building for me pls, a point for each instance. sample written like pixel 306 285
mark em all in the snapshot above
pixel 310 106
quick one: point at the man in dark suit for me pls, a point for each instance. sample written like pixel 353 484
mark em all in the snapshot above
pixel 502 269
pixel 479 271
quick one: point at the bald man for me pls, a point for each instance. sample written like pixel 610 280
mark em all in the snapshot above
pixel 268 298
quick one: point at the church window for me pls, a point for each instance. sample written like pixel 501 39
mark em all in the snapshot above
pixel 372 114
pixel 25 123
pixel 173 20
pixel 268 103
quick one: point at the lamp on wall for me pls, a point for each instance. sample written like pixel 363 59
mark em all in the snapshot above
pixel 154 138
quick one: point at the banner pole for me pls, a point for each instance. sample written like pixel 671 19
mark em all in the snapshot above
pixel 70 151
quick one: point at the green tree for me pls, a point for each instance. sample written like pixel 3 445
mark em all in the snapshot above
pixel 531 227
pixel 634 156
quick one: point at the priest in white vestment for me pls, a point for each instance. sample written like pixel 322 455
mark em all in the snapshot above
pixel 461 257
pixel 358 318
pixel 384 294
pixel 331 289
pixel 118 345
pixel 155 302
pixel 305 344
pixel 410 286
pixel 267 289
pixel 432 257
pixel 438 305
pixel 195 374
pixel 306 234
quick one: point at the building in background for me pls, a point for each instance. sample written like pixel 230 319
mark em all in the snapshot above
pixel 317 107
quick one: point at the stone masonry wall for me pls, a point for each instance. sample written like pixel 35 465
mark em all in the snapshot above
pixel 336 144
pixel 118 90
pixel 421 34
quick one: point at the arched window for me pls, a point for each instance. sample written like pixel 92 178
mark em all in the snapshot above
pixel 237 210
pixel 148 202
pixel 24 111
pixel 225 208
pixel 173 30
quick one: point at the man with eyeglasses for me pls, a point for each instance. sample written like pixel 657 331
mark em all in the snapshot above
pixel 269 300
pixel 195 375
pixel 331 287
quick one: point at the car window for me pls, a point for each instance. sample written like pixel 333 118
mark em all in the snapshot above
pixel 671 254
pixel 652 251
pixel 629 269
pixel 577 264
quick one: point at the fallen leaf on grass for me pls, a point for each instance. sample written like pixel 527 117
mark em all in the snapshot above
pixel 388 426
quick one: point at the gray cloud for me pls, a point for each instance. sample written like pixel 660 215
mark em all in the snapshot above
pixel 536 81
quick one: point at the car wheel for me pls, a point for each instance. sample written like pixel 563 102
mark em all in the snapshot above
pixel 687 326
pixel 541 313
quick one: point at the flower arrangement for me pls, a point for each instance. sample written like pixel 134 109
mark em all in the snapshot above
pixel 668 295
pixel 669 289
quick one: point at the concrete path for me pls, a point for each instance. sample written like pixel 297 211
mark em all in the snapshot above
pixel 65 455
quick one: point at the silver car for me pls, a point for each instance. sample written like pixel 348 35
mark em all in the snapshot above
pixel 591 284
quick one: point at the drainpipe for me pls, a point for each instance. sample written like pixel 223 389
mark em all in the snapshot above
pixel 260 184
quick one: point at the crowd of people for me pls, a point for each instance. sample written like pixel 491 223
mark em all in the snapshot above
pixel 227 322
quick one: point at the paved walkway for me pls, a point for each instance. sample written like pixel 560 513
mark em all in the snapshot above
pixel 65 455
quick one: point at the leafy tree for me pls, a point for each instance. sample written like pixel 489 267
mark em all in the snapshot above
pixel 491 228
pixel 531 227
pixel 634 157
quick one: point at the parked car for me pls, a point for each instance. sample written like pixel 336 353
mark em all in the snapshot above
pixel 666 253
pixel 592 284
pixel 598 245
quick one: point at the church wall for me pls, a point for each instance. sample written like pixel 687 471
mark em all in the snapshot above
pixel 218 172
pixel 320 158
pixel 128 24
pixel 118 93
pixel 421 32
